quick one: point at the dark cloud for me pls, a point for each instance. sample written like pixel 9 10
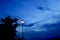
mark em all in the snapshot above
pixel 29 25
pixel 54 25
pixel 40 8
pixel 43 8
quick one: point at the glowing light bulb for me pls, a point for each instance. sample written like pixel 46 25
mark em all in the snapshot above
pixel 22 21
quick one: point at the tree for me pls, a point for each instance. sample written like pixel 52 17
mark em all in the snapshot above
pixel 8 28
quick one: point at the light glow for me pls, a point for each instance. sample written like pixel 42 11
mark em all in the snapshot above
pixel 22 21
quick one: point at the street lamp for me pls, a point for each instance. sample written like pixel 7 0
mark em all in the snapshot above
pixel 22 22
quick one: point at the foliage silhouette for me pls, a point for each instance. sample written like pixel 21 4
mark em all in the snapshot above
pixel 8 28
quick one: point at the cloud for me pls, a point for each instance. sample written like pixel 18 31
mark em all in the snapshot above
pixel 40 8
pixel 25 29
pixel 45 8
pixel 45 19
pixel 40 26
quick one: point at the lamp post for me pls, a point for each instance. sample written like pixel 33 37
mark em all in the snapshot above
pixel 22 22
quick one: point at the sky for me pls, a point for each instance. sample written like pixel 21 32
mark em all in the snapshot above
pixel 43 13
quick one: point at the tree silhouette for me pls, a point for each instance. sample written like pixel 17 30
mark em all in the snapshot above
pixel 8 28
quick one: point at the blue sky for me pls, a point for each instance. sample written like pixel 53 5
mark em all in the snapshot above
pixel 32 11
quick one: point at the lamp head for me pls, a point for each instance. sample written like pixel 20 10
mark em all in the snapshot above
pixel 22 21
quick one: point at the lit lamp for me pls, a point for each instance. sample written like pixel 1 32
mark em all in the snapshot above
pixel 22 22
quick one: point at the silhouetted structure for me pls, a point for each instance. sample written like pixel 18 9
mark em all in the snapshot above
pixel 8 28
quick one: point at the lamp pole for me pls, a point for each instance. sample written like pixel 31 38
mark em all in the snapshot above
pixel 22 22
